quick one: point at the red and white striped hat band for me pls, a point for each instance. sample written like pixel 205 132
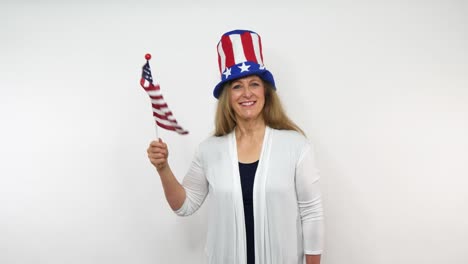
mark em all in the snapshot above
pixel 240 55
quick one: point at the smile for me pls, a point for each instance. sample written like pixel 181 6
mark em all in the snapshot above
pixel 249 103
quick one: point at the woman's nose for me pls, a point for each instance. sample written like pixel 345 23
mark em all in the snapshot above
pixel 247 92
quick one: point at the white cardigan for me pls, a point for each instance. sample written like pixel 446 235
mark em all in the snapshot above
pixel 288 220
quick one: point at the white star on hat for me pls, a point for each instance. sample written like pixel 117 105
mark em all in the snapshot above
pixel 244 67
pixel 227 72
pixel 262 67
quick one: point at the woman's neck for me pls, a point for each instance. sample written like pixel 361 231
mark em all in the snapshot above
pixel 249 140
pixel 251 128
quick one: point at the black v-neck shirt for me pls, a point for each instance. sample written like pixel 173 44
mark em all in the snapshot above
pixel 247 176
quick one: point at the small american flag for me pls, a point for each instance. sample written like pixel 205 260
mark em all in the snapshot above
pixel 162 115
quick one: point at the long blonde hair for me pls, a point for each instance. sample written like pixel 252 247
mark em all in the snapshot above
pixel 273 112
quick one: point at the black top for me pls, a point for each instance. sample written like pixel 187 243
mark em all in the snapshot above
pixel 247 175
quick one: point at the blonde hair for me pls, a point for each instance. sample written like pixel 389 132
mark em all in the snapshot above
pixel 273 113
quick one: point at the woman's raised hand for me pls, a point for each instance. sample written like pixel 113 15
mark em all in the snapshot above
pixel 158 154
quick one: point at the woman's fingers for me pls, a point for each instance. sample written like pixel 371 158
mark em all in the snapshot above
pixel 158 153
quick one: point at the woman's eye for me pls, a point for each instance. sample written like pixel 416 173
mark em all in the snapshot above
pixel 236 87
pixel 255 84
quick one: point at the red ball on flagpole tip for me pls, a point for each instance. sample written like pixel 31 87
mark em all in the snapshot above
pixel 148 56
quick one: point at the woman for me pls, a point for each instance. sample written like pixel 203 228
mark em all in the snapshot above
pixel 258 168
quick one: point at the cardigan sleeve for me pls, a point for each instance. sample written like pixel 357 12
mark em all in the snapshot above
pixel 196 187
pixel 310 202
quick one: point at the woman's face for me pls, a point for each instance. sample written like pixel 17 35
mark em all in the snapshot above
pixel 247 97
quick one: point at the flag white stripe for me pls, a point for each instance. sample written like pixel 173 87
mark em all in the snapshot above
pixel 222 56
pixel 158 101
pixel 154 93
pixel 162 111
pixel 239 55
pixel 256 46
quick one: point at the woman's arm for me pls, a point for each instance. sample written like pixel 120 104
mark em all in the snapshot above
pixel 174 191
pixel 185 198
pixel 313 259
pixel 310 204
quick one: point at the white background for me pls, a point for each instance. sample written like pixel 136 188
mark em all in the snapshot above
pixel 380 87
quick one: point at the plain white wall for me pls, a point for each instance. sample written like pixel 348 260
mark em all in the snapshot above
pixel 380 87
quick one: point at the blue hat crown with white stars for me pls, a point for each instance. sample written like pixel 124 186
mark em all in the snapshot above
pixel 240 55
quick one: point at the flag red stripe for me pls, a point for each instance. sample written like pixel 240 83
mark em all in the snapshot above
pixel 164 117
pixel 151 87
pixel 247 44
pixel 165 126
pixel 156 97
pixel 159 106
pixel 160 116
pixel 174 128
pixel 166 114
pixel 227 48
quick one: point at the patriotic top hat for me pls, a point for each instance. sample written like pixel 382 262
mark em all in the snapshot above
pixel 240 55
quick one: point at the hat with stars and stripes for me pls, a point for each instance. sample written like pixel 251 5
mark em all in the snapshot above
pixel 240 55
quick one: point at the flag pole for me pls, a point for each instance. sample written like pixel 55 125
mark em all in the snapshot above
pixel 156 130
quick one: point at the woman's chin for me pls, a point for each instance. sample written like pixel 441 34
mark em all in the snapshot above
pixel 249 117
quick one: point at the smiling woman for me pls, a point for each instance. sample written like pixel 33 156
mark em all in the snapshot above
pixel 272 110
pixel 258 169
pixel 242 98
pixel 247 97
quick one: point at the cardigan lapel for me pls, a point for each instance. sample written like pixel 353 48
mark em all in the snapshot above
pixel 241 240
pixel 259 203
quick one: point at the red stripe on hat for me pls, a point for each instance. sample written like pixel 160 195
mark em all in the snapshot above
pixel 247 44
pixel 228 51
pixel 260 45
pixel 219 63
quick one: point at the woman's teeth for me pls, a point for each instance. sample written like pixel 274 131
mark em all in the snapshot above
pixel 247 103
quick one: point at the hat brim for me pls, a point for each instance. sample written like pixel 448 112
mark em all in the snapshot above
pixel 263 74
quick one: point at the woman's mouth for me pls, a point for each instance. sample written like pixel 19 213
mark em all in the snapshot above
pixel 248 103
